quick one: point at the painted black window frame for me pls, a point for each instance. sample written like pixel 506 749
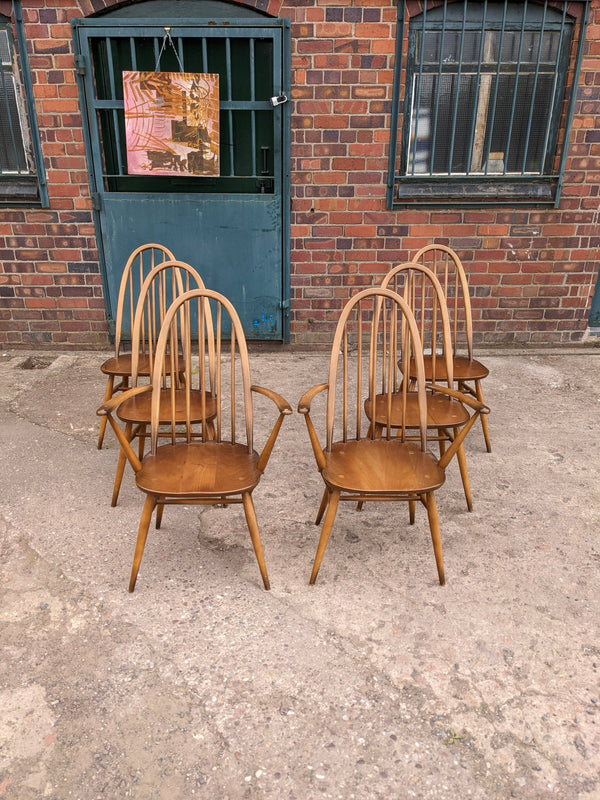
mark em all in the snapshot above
pixel 22 173
pixel 492 183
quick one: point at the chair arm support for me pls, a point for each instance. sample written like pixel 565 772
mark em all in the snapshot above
pixel 107 409
pixel 307 398
pixel 304 408
pixel 466 399
pixel 111 405
pixel 282 404
pixel 284 409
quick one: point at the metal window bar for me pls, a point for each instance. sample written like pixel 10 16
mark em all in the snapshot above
pixel 555 81
pixel 496 89
pixel 457 94
pixel 517 77
pixel 533 92
pixel 439 80
pixel 478 111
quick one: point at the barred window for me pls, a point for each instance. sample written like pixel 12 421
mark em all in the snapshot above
pixel 19 180
pixel 488 101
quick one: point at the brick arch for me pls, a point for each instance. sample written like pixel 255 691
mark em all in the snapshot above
pixel 270 7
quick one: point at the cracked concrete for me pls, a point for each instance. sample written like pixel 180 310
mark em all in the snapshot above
pixel 374 683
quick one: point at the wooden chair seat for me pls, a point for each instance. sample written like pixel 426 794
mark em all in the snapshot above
pixel 120 366
pixel 442 412
pixel 137 409
pixel 202 469
pixel 464 368
pixel 381 466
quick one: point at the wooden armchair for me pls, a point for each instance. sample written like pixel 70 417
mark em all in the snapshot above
pixel 220 469
pixel 376 330
pixel 468 372
pixel 446 412
pixel 163 284
pixel 139 264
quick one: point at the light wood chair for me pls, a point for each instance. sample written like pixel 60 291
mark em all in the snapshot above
pixel 468 372
pixel 188 470
pixel 376 330
pixel 445 414
pixel 143 259
pixel 163 284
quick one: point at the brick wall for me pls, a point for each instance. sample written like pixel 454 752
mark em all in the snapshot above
pixel 532 272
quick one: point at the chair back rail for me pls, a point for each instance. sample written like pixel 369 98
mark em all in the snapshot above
pixel 376 330
pixel 215 361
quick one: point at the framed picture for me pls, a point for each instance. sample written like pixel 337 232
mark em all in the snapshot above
pixel 171 123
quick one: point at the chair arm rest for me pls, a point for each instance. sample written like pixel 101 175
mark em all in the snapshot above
pixel 307 398
pixel 282 404
pixel 116 400
pixel 467 400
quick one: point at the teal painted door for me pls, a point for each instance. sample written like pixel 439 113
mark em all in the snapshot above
pixel 234 228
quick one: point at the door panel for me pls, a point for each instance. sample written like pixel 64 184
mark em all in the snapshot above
pixel 234 228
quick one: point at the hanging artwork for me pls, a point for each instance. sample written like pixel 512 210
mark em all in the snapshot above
pixel 171 123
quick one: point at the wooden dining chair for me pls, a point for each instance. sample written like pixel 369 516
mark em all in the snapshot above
pixel 445 413
pixel 376 330
pixel 224 468
pixel 163 284
pixel 141 261
pixel 468 372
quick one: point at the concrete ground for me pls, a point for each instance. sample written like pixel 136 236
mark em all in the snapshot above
pixel 374 683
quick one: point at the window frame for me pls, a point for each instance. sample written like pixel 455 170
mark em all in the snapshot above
pixel 21 186
pixel 477 189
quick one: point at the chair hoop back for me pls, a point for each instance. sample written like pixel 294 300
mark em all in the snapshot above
pixel 445 263
pixel 205 346
pixel 386 334
pixel 141 261
pixel 423 292
pixel 163 284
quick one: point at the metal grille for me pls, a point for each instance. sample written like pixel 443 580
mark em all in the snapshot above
pixel 13 160
pixel 484 87
pixel 245 67
pixel 485 80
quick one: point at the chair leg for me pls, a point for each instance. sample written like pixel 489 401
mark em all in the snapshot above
pixel 255 536
pixel 121 466
pixel 108 393
pixel 412 505
pixel 434 527
pixel 326 530
pixel 323 506
pixel 141 538
pixel 160 507
pixel 141 434
pixel 462 465
pixel 483 417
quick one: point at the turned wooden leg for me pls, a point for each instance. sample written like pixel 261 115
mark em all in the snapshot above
pixel 434 526
pixel 462 465
pixel 254 535
pixel 108 393
pixel 141 538
pixel 160 507
pixel 326 530
pixel 483 417
pixel 323 506
pixel 121 465
pixel 412 506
